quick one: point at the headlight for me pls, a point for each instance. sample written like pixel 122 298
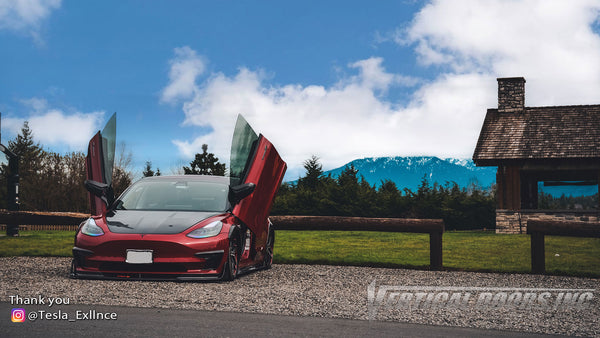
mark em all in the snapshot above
pixel 90 228
pixel 209 230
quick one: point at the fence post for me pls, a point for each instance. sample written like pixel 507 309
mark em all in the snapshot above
pixel 538 259
pixel 435 250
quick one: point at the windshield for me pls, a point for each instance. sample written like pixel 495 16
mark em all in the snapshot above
pixel 175 195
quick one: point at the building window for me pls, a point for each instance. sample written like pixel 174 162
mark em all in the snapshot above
pixel 568 195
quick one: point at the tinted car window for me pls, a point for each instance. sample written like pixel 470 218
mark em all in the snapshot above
pixel 244 138
pixel 176 195
pixel 109 136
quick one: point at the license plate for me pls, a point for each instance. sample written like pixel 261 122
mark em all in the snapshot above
pixel 139 257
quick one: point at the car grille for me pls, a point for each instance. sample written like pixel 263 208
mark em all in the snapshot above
pixel 154 267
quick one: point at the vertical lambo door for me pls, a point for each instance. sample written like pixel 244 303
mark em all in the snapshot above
pixel 99 164
pixel 255 160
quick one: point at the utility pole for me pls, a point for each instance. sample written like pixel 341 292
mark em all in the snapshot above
pixel 12 185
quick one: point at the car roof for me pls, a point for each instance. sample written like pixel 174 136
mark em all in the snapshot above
pixel 190 178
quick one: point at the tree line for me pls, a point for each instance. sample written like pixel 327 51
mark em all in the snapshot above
pixel 564 202
pixel 53 182
pixel 350 194
pixel 49 181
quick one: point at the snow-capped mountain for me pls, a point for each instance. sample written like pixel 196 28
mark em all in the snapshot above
pixel 407 172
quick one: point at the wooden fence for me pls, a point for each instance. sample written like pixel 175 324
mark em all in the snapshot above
pixel 37 220
pixel 41 217
pixel 538 229
pixel 43 227
pixel 433 227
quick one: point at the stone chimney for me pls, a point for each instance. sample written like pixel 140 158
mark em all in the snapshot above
pixel 511 94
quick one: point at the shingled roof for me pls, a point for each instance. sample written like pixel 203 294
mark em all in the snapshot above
pixel 561 132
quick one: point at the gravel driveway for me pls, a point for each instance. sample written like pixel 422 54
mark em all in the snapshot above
pixel 314 290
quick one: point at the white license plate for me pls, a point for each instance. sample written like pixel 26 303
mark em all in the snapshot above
pixel 139 256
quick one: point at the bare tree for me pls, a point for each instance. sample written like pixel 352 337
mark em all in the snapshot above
pixel 177 169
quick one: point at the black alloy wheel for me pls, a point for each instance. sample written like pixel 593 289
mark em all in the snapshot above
pixel 232 264
pixel 269 250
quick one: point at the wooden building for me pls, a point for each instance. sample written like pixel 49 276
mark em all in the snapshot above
pixel 558 145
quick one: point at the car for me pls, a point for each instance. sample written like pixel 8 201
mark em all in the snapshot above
pixel 185 227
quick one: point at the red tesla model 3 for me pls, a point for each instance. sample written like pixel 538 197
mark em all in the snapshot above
pixel 188 227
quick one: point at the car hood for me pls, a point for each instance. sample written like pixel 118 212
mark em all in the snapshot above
pixel 154 222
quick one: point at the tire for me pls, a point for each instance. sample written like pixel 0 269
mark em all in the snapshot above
pixel 268 262
pixel 73 272
pixel 232 263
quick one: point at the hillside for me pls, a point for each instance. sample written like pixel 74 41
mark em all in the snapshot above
pixel 407 172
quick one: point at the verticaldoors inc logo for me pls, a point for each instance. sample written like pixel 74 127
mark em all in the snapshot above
pixel 435 297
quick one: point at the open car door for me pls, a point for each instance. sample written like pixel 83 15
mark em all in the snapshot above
pixel 255 160
pixel 100 160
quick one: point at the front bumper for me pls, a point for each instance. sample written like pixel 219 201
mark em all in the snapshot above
pixel 144 276
pixel 206 266
pixel 171 260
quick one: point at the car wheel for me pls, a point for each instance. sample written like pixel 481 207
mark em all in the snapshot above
pixel 269 250
pixel 73 272
pixel 232 264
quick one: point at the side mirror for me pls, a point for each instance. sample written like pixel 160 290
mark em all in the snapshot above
pixel 239 192
pixel 101 190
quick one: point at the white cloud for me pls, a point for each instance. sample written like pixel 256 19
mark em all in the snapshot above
pixel 185 67
pixel 35 103
pixel 338 123
pixel 26 15
pixel 372 75
pixel 55 128
pixel 550 43
pixel 472 42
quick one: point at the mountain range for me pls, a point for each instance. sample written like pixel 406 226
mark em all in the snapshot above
pixel 408 172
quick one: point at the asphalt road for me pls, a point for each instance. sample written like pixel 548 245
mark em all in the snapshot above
pixel 138 322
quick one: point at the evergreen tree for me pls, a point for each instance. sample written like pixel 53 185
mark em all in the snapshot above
pixel 390 199
pixel 205 164
pixel 367 200
pixel 285 202
pixel 345 195
pixel 148 172
pixel 314 171
pixel 31 159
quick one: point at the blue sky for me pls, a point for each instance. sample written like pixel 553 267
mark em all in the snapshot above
pixel 338 79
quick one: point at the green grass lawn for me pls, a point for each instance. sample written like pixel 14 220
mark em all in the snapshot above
pixel 38 243
pixel 462 250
